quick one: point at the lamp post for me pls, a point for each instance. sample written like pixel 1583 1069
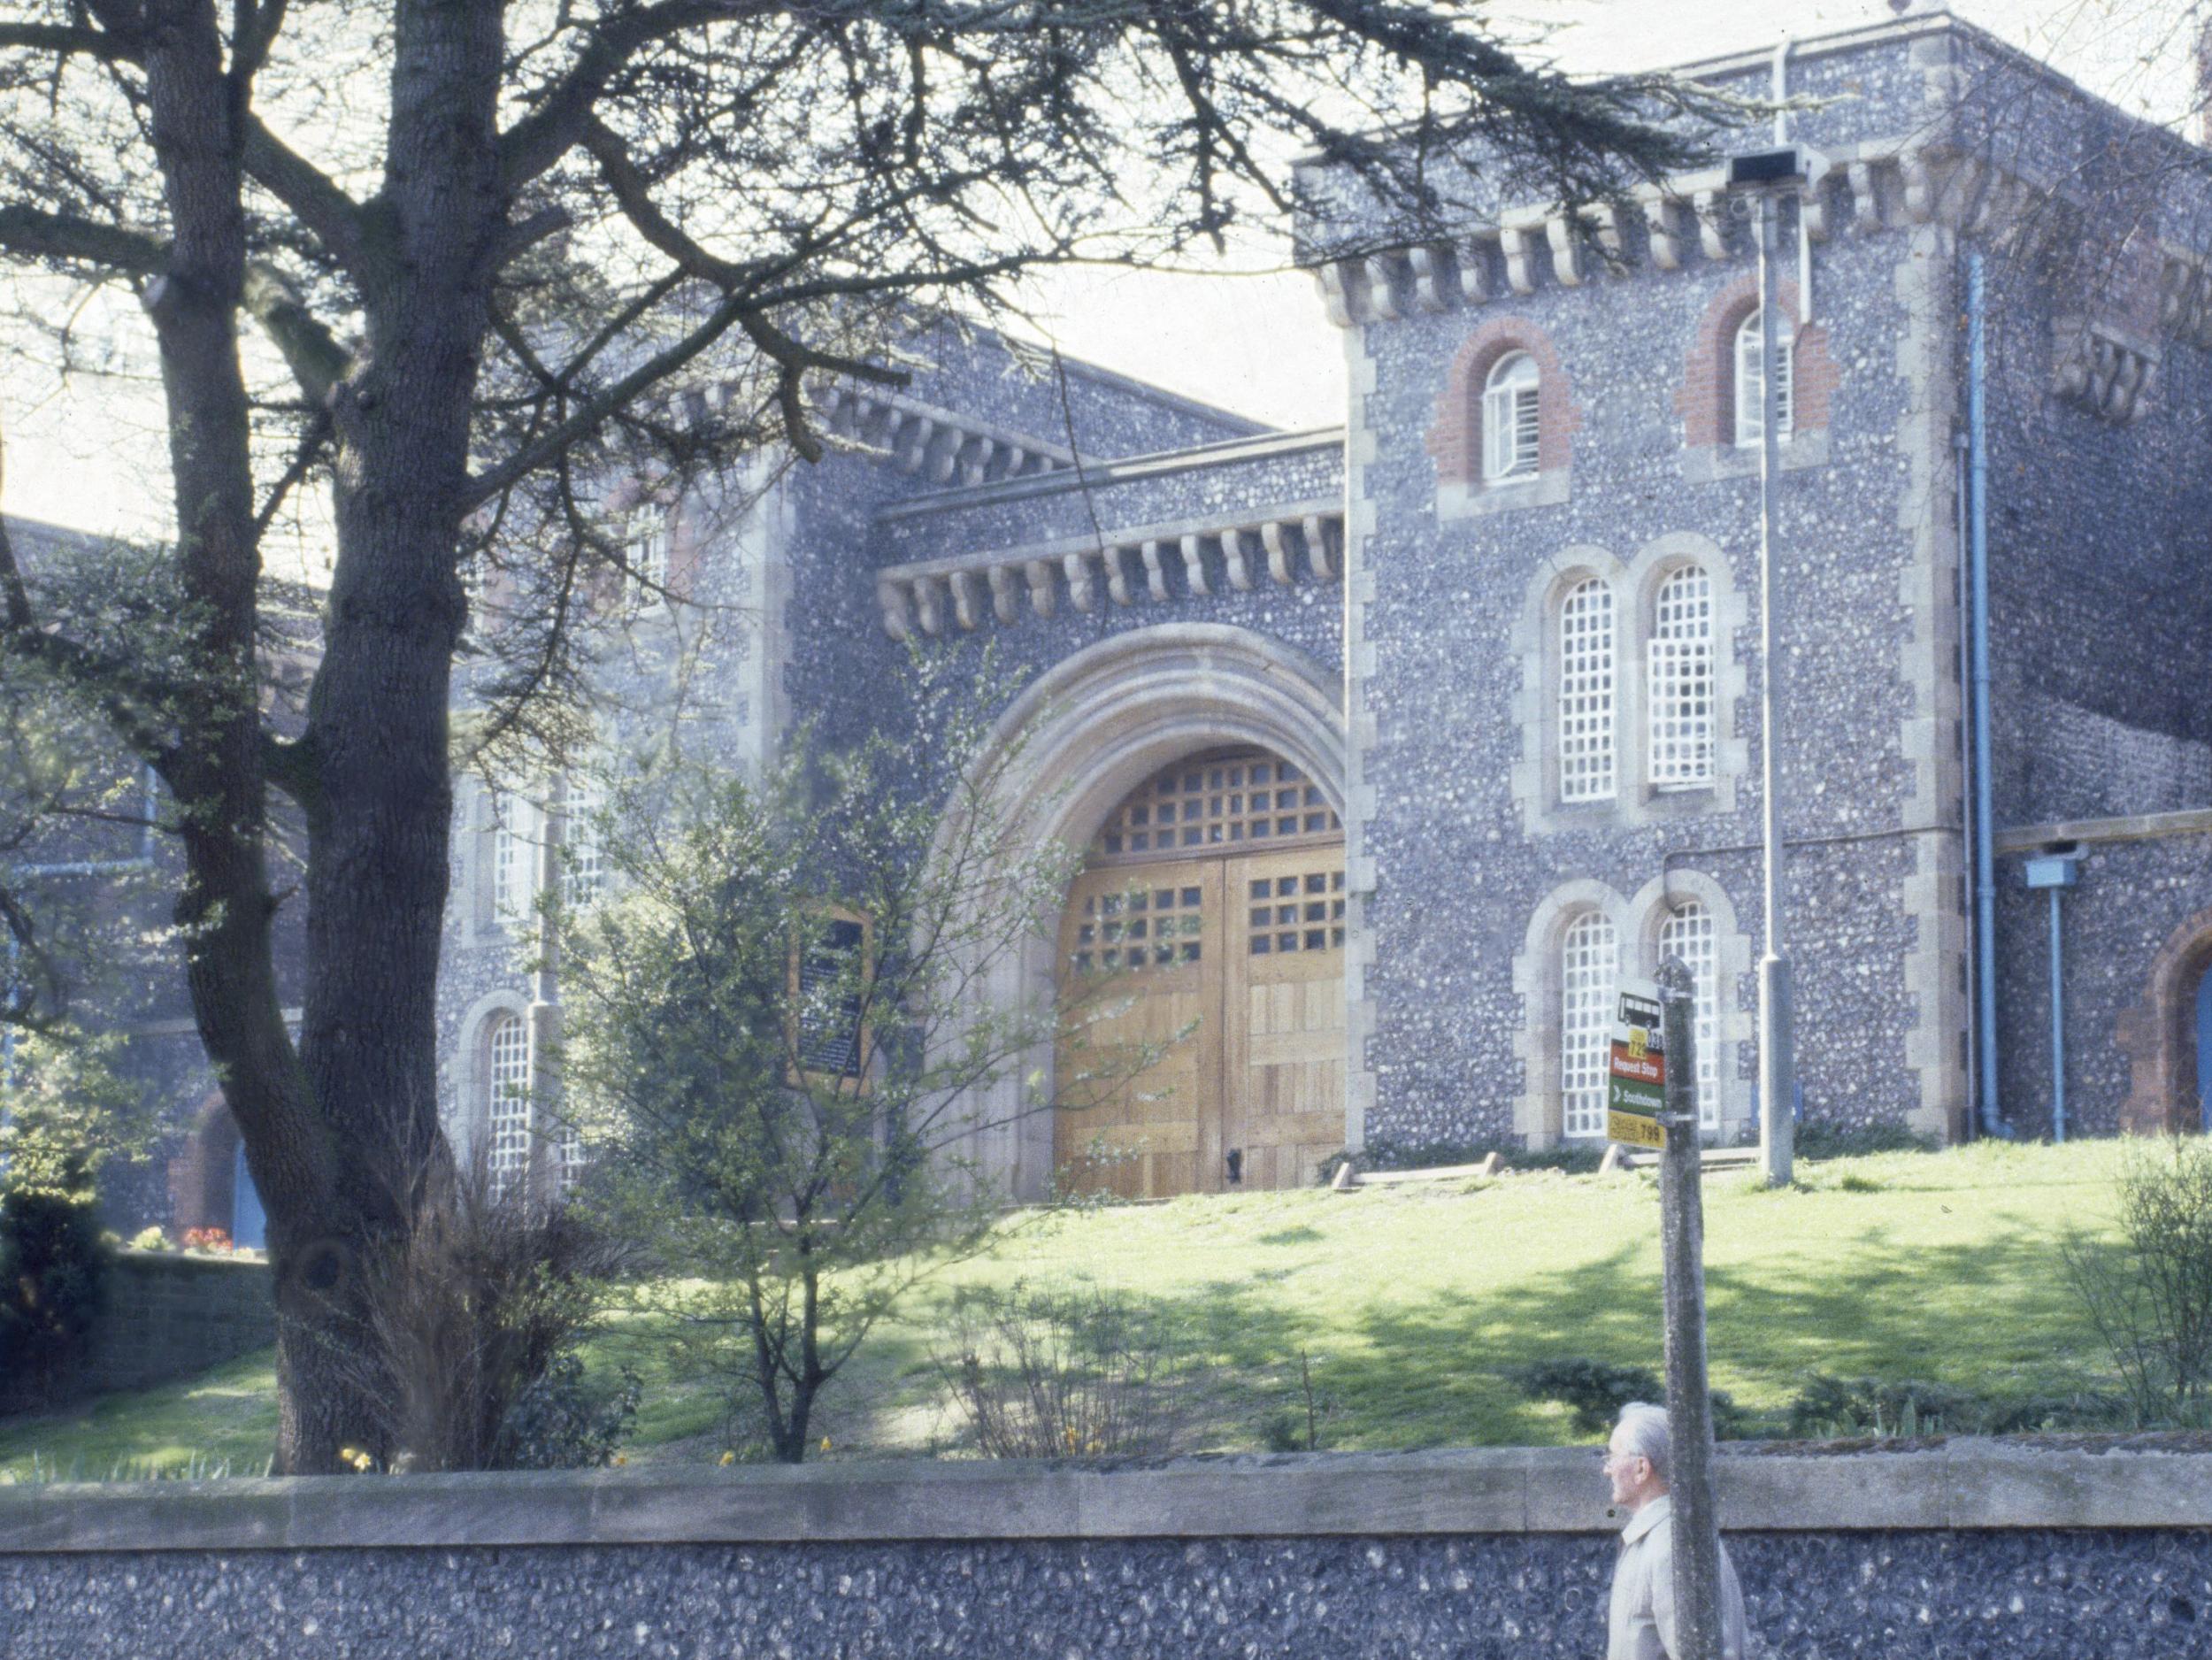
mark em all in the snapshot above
pixel 1762 178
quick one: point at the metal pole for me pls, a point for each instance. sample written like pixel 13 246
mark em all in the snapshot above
pixel 1985 835
pixel 2058 1026
pixel 1777 1062
pixel 1689 1406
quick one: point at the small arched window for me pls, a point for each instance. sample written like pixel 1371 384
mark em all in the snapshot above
pixel 1509 419
pixel 1687 933
pixel 1585 693
pixel 1680 670
pixel 1588 961
pixel 1749 390
pixel 507 1099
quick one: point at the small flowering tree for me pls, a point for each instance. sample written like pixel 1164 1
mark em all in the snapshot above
pixel 778 1024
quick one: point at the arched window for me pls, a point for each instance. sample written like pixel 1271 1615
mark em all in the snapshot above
pixel 514 856
pixel 1680 691
pixel 1749 392
pixel 1585 693
pixel 582 866
pixel 1509 419
pixel 1588 962
pixel 507 1099
pixel 1687 933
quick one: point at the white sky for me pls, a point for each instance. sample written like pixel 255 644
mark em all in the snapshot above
pixel 94 459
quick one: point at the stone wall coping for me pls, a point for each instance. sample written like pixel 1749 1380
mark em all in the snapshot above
pixel 1093 473
pixel 2147 826
pixel 1961 1484
pixel 127 1257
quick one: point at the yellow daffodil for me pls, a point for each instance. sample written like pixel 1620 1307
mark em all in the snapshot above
pixel 728 1459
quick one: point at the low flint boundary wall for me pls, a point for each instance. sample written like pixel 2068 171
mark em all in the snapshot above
pixel 1971 1549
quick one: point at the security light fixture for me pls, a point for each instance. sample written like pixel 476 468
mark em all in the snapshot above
pixel 1786 164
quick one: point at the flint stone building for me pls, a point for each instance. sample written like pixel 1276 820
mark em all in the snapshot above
pixel 1396 745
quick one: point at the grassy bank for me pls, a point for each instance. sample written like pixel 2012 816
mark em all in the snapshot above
pixel 1412 1303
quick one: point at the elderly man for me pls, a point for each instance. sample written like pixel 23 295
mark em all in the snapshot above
pixel 1640 1624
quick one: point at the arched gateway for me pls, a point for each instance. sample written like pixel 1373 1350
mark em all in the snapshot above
pixel 1094 738
pixel 1209 922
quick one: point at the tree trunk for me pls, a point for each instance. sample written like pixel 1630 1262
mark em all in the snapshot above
pixel 381 813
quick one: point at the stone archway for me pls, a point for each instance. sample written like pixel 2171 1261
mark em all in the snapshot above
pixel 2159 1035
pixel 1088 732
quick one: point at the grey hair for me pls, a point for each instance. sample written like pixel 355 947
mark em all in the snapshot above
pixel 1647 1437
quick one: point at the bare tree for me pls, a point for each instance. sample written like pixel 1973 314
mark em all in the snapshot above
pixel 483 241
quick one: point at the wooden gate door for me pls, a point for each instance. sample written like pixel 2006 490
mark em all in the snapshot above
pixel 1209 928
pixel 1283 1031
pixel 1141 951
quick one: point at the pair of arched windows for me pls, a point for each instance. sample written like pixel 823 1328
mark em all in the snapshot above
pixel 1512 403
pixel 1678 689
pixel 1589 969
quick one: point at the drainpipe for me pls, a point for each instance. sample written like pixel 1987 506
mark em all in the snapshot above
pixel 2056 873
pixel 1977 627
pixel 1967 771
pixel 1780 80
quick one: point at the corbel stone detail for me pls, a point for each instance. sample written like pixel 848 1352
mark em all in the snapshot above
pixel 2185 297
pixel 1301 542
pixel 2100 369
pixel 931 441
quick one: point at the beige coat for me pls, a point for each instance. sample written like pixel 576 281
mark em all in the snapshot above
pixel 1640 1626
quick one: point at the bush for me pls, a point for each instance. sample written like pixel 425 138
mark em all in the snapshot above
pixel 1832 1408
pixel 150 1239
pixel 1596 1391
pixel 1821 1138
pixel 53 1285
pixel 559 1422
pixel 1043 1373
pixel 2150 1297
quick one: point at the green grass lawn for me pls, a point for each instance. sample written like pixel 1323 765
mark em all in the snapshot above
pixel 1411 1302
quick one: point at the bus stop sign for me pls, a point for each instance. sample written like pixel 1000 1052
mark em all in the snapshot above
pixel 1636 1073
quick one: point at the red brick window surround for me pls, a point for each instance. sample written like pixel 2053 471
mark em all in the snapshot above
pixel 1707 398
pixel 1457 438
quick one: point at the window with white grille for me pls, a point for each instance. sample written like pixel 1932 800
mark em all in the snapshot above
pixel 1687 933
pixel 1750 393
pixel 583 865
pixel 507 1099
pixel 1585 693
pixel 645 550
pixel 514 855
pixel 1509 419
pixel 1680 690
pixel 1588 969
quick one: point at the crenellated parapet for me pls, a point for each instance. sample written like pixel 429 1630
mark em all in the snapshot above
pixel 1669 226
pixel 1161 564
pixel 942 445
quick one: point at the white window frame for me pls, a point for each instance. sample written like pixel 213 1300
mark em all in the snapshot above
pixel 1588 693
pixel 1589 981
pixel 1680 692
pixel 583 862
pixel 507 1125
pixel 647 536
pixel 1749 412
pixel 514 855
pixel 1690 931
pixel 1511 420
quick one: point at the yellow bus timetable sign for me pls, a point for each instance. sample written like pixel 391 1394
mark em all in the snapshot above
pixel 1636 1073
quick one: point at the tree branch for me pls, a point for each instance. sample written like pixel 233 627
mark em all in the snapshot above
pixel 320 205
pixel 43 236
pixel 66 41
pixel 317 361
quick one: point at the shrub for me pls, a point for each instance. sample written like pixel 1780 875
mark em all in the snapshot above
pixel 150 1239
pixel 53 1284
pixel 1830 1408
pixel 1044 1373
pixel 2150 1296
pixel 559 1422
pixel 1821 1138
pixel 1596 1390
